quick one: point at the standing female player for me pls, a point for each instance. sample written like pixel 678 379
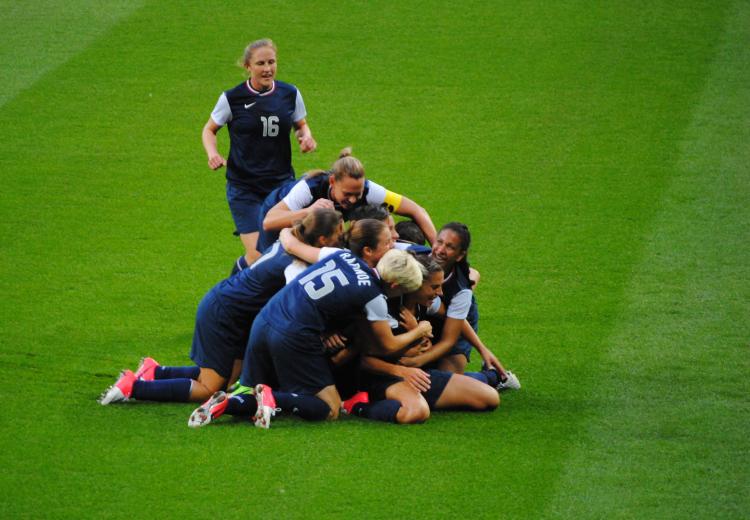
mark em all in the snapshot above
pixel 222 325
pixel 259 113
pixel 344 188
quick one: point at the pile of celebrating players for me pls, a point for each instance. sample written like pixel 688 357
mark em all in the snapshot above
pixel 334 307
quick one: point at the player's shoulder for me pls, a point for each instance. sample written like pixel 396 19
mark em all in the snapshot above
pixel 283 87
pixel 240 90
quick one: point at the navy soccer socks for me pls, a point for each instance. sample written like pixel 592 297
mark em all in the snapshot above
pixel 490 377
pixel 307 407
pixel 174 390
pixel 177 372
pixel 384 410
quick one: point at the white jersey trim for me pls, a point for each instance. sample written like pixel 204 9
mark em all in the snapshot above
pixel 299 197
pixel 459 306
pixel 221 113
pixel 299 108
pixel 377 309
pixel 375 193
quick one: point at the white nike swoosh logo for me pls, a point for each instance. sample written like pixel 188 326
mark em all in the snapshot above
pixel 251 104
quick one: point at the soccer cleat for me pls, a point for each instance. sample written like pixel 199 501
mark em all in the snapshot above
pixel 238 389
pixel 121 390
pixel 146 369
pixel 511 382
pixel 210 410
pixel 348 405
pixel 266 406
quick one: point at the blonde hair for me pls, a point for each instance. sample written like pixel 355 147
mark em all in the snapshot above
pixel 247 56
pixel 398 266
pixel 347 165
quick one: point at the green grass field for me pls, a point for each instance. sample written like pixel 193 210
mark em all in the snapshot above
pixel 598 152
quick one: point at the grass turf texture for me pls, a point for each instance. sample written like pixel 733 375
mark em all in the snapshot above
pixel 599 155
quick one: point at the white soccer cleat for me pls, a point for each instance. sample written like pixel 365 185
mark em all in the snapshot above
pixel 210 410
pixel 266 406
pixel 511 382
pixel 121 391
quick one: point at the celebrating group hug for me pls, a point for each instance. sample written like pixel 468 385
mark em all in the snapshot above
pixel 334 307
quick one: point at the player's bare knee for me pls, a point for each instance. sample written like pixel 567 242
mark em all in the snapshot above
pixel 491 400
pixel 413 413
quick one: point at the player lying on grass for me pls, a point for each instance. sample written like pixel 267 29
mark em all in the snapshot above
pixel 344 188
pixel 222 325
pixel 285 350
pixel 419 390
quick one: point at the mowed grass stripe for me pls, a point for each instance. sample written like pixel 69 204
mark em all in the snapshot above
pixel 138 230
pixel 41 35
pixel 670 439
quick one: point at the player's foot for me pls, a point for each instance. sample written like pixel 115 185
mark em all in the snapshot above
pixel 511 382
pixel 146 369
pixel 121 390
pixel 266 406
pixel 348 405
pixel 238 389
pixel 210 410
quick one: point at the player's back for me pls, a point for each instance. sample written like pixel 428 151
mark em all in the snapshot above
pixel 245 293
pixel 337 287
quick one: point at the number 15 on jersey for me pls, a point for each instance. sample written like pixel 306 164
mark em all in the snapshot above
pixel 319 282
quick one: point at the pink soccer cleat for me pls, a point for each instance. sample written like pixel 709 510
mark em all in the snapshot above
pixel 146 369
pixel 348 405
pixel 210 410
pixel 266 406
pixel 121 390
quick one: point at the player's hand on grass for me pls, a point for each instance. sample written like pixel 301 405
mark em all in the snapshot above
pixel 216 161
pixel 416 378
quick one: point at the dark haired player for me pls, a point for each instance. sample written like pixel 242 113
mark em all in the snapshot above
pixel 285 349
pixel 222 325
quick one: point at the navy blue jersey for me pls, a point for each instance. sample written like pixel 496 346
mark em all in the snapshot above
pixel 243 295
pixel 298 196
pixel 417 249
pixel 457 294
pixel 259 123
pixel 302 193
pixel 336 288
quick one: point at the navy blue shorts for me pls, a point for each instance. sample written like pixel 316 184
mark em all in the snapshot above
pixel 245 207
pixel 217 340
pixel 289 363
pixel 462 346
pixel 377 384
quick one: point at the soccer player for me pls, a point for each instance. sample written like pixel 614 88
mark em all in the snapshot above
pixel 259 113
pixel 380 212
pixel 417 388
pixel 285 350
pixel 223 321
pixel 344 188
pixel 450 251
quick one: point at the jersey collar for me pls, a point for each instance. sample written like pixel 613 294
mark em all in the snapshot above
pixel 259 93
